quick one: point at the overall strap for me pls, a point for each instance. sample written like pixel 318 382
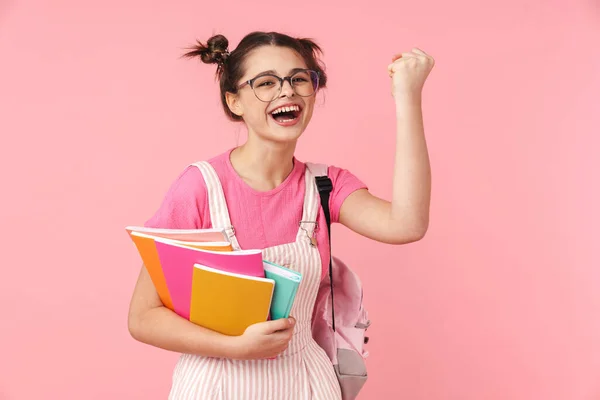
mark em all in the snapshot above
pixel 310 208
pixel 219 214
pixel 324 187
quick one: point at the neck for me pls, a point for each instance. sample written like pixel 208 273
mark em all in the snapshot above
pixel 263 165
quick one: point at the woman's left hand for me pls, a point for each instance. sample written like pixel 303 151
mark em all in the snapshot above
pixel 409 71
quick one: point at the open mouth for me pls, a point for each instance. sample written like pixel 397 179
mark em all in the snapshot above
pixel 286 115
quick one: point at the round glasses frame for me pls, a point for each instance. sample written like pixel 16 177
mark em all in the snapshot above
pixel 314 81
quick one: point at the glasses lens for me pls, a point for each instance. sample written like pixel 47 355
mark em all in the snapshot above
pixel 305 83
pixel 266 87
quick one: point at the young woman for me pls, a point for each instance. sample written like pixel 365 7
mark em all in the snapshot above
pixel 265 198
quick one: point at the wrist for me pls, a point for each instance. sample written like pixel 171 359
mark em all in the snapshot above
pixel 408 107
pixel 407 98
pixel 234 347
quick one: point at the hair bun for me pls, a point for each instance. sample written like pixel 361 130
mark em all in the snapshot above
pixel 218 48
pixel 215 51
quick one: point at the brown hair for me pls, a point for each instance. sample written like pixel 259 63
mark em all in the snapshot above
pixel 230 65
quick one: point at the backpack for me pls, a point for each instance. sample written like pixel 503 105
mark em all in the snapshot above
pixel 340 321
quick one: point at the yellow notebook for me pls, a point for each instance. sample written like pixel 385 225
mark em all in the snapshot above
pixel 228 303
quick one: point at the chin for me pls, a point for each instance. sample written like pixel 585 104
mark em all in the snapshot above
pixel 285 135
pixel 287 131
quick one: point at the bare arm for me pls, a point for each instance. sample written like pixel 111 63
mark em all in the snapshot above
pixel 152 323
pixel 406 218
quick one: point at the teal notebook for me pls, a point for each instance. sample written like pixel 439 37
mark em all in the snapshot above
pixel 286 287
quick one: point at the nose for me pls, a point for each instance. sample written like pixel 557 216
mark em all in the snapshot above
pixel 286 89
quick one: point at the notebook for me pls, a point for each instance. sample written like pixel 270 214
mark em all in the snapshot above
pixel 287 283
pixel 146 247
pixel 178 261
pixel 188 235
pixel 227 302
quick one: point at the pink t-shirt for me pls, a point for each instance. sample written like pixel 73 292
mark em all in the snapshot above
pixel 260 219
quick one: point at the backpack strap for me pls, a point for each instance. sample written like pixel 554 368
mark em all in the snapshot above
pixel 325 186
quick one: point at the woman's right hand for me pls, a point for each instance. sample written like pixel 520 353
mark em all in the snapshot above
pixel 265 339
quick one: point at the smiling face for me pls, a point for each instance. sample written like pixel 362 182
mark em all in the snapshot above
pixel 285 117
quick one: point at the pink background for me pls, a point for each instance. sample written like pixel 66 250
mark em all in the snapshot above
pixel 500 301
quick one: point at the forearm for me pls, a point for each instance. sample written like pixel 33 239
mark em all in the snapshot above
pixel 160 327
pixel 412 172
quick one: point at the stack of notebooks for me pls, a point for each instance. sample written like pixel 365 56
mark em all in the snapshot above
pixel 199 276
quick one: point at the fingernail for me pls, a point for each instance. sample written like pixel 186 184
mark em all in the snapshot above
pixel 291 321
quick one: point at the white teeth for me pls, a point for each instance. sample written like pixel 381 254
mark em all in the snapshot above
pixel 285 109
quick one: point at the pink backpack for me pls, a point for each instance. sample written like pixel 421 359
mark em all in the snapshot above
pixel 340 320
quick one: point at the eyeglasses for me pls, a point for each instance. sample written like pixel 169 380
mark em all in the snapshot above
pixel 267 87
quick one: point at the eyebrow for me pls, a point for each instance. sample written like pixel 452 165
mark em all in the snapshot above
pixel 272 72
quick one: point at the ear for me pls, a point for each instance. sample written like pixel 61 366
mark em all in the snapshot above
pixel 234 104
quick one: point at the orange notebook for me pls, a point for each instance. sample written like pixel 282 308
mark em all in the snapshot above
pixel 146 247
pixel 227 302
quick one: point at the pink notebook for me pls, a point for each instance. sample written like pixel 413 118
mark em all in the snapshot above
pixel 178 265
pixel 186 235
